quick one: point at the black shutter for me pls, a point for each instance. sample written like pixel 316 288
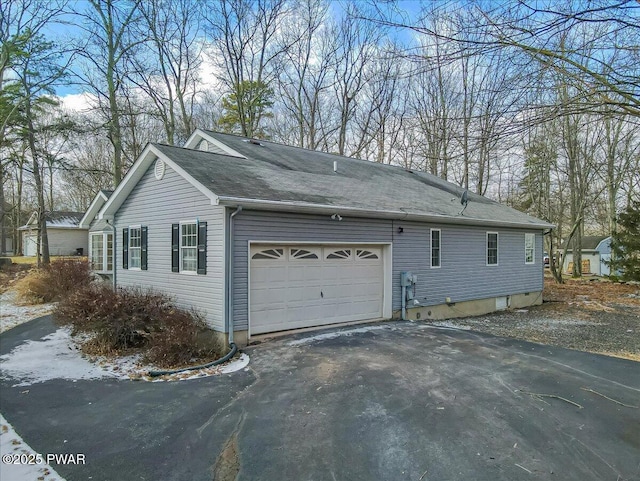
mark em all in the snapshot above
pixel 175 248
pixel 202 248
pixel 143 248
pixel 125 248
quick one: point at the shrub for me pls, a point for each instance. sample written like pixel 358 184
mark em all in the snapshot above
pixel 131 319
pixel 177 341
pixel 53 282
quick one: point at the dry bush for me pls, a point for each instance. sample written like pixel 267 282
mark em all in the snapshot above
pixel 53 282
pixel 34 288
pixel 10 274
pixel 177 341
pixel 126 319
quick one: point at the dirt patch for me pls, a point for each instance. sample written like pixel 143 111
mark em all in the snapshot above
pixel 228 464
pixel 588 315
pixel 10 274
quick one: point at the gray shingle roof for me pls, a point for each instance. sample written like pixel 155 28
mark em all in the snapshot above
pixel 59 219
pixel 589 242
pixel 278 173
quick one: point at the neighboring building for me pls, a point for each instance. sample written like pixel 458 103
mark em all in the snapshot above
pixel 596 252
pixel 6 229
pixel 261 237
pixel 65 236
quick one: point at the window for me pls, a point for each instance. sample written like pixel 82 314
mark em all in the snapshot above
pixel 135 247
pixel 338 254
pixel 492 248
pixel 435 247
pixel 529 248
pixel 269 254
pixel 101 258
pixel 366 254
pixel 97 252
pixel 302 254
pixel 189 247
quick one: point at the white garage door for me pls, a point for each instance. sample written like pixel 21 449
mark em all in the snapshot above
pixel 303 286
pixel 30 244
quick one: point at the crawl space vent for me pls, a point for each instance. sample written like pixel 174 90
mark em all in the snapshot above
pixel 502 303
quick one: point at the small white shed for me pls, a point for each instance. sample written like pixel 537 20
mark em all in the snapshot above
pixel 65 236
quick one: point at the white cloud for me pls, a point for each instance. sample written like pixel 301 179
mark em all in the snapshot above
pixel 81 103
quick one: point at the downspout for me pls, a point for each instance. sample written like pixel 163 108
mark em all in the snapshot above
pixel 404 303
pixel 230 252
pixel 232 345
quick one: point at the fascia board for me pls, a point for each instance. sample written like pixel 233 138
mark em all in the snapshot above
pixel 397 215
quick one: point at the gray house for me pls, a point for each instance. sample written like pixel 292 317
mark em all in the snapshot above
pixel 262 237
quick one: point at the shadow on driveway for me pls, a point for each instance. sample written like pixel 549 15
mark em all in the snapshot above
pixel 401 401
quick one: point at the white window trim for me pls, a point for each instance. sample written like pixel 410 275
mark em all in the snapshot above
pixel 486 250
pixel 105 251
pixel 180 247
pixel 533 249
pixel 431 231
pixel 139 226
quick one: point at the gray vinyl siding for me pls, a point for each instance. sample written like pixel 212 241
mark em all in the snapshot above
pixel 283 227
pixel 158 204
pixel 464 274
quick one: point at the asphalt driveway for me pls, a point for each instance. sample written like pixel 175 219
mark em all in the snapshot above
pixel 399 401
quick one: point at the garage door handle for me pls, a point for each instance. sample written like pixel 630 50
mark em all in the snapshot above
pixel 321 294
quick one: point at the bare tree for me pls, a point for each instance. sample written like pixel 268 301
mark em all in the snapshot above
pixel 167 70
pixel 304 75
pixel 244 44
pixel 110 40
pixel 356 49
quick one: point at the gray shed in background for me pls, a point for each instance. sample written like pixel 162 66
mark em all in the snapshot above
pixel 596 252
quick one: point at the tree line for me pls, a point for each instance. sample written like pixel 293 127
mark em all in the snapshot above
pixel 530 103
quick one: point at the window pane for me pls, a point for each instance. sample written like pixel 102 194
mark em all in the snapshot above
pixel 135 242
pixel 435 248
pixel 97 252
pixel 109 252
pixel 189 259
pixel 492 249
pixel 529 248
pixel 188 247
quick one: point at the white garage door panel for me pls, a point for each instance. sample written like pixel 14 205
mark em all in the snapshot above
pixel 293 287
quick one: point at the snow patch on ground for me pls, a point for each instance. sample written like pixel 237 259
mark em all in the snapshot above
pixel 450 325
pixel 12 445
pixel 58 355
pixel 55 356
pixel 236 365
pixel 12 314
pixel 335 334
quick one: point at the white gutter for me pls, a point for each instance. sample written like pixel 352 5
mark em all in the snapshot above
pixel 386 214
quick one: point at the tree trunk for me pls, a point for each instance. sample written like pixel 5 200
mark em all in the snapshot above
pixel 43 238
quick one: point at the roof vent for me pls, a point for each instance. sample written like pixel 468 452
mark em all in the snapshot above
pixel 335 166
pixel 254 141
pixel 159 169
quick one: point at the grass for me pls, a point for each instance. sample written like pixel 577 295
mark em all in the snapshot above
pixel 33 260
